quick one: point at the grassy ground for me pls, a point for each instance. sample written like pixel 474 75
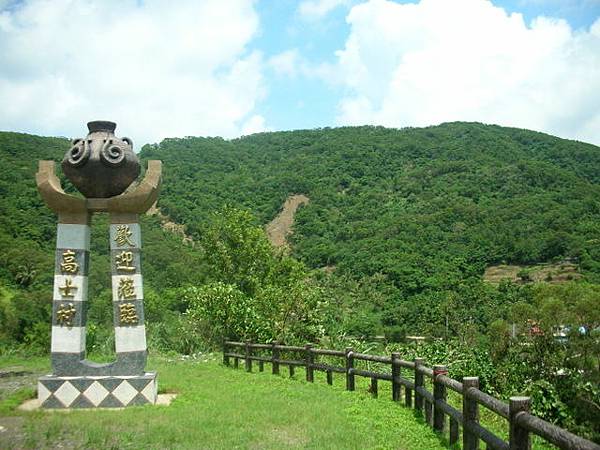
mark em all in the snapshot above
pixel 220 408
pixel 557 273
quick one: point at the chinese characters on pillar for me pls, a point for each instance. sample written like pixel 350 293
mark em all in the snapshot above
pixel 126 289
pixel 66 311
pixel 69 262
pixel 128 314
pixel 68 289
pixel 68 265
pixel 125 264
pixel 123 236
pixel 65 314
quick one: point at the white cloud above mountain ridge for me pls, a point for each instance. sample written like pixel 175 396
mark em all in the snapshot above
pixel 194 68
pixel 155 69
pixel 437 61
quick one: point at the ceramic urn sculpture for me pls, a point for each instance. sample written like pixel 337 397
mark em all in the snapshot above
pixel 101 165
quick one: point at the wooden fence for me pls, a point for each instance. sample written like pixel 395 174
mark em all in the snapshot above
pixel 410 377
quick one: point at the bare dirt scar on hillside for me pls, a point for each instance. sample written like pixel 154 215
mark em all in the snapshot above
pixel 169 225
pixel 554 273
pixel 281 226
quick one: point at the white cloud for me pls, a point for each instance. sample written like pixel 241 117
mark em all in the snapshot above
pixel 317 9
pixel 436 61
pixel 285 63
pixel 291 63
pixel 156 69
pixel 255 124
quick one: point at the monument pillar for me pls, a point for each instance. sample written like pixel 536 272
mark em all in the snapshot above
pixel 101 167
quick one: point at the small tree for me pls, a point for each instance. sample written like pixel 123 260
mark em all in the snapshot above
pixel 256 293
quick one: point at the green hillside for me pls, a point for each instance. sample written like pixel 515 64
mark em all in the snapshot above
pixel 415 204
pixel 415 215
pixel 412 217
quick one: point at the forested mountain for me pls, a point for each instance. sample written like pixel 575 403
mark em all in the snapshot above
pixel 419 212
pixel 427 207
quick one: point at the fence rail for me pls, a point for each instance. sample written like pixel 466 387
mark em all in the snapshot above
pixel 433 404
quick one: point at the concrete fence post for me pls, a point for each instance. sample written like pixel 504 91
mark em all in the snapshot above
pixel 349 369
pixel 419 383
pixel 470 414
pixel 519 438
pixel 439 395
pixel 395 374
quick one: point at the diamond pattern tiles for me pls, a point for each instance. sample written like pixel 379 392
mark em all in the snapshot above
pixel 97 392
pixel 43 393
pixel 150 392
pixel 125 392
pixel 66 394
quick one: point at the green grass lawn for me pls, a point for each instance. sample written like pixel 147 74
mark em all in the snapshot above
pixel 221 408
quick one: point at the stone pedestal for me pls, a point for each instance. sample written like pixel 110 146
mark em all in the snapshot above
pixel 56 392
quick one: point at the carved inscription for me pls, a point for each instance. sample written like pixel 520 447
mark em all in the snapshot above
pixel 128 314
pixel 65 314
pixel 123 236
pixel 126 289
pixel 69 262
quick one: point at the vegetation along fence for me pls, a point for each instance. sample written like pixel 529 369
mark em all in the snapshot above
pixel 433 404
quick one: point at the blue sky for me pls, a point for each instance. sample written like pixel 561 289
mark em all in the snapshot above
pixel 235 67
pixel 304 102
pixel 300 101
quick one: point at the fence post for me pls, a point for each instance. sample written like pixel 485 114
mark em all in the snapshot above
pixel 225 356
pixel 395 374
pixel 428 411
pixel 418 384
pixel 261 366
pixel 374 388
pixel 439 395
pixel 470 414
pixel 329 377
pixel 349 369
pixel 248 360
pixel 408 397
pixel 292 370
pixel 275 358
pixel 453 431
pixel 309 359
pixel 236 363
pixel 519 436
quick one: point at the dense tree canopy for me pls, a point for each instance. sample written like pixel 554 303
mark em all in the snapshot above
pixel 427 207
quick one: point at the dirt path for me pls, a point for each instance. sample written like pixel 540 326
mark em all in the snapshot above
pixel 281 226
pixel 12 379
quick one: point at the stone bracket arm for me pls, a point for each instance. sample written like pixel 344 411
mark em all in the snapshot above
pixel 52 192
pixel 138 200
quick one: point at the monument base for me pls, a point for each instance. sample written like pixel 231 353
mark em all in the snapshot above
pixel 61 392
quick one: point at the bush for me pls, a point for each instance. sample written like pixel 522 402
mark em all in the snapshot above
pixel 37 339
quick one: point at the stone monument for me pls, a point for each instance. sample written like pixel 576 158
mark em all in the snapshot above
pixel 102 167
